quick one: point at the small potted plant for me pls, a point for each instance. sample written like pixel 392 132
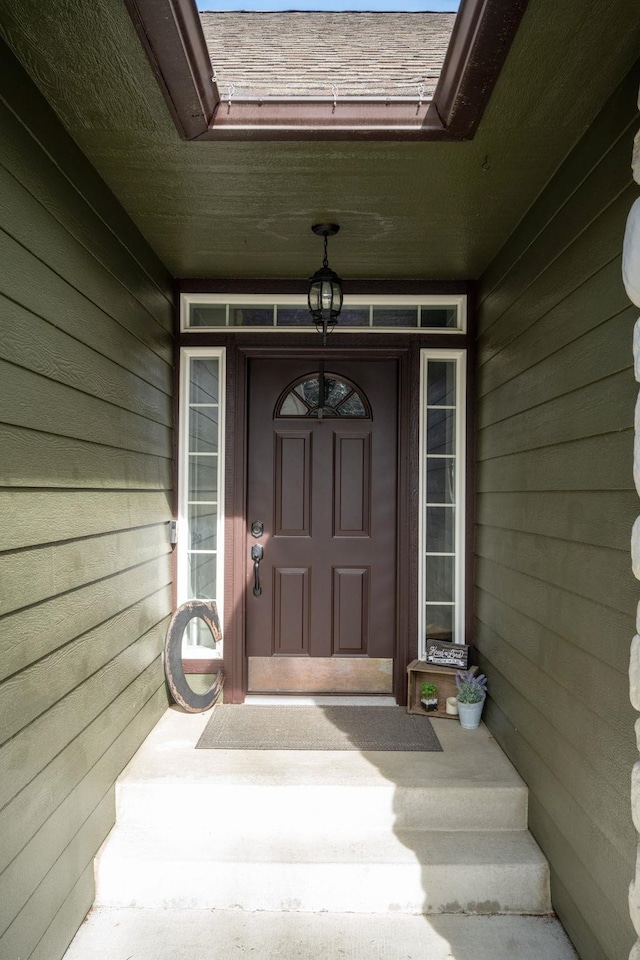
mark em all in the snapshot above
pixel 472 692
pixel 429 698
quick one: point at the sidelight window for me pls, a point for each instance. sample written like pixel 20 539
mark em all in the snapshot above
pixel 442 490
pixel 200 516
pixel 319 393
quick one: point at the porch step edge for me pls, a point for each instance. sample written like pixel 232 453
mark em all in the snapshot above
pixel 350 809
pixel 162 935
pixel 412 873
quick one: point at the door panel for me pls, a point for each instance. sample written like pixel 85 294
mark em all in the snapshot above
pixel 352 485
pixel 292 484
pixel 351 605
pixel 325 489
pixel 291 610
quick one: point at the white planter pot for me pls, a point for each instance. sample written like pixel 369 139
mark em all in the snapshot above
pixel 470 714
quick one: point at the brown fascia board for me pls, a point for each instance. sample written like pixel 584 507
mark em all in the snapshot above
pixel 347 120
pixel 381 287
pixel 172 36
pixel 480 41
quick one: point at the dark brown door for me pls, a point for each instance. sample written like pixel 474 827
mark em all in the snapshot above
pixel 322 481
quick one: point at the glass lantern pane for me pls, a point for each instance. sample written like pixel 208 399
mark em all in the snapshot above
pixel 314 297
pixel 326 295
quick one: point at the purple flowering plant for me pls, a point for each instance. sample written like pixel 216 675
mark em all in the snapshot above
pixel 471 689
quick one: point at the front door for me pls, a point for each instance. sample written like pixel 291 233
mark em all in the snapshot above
pixel 322 486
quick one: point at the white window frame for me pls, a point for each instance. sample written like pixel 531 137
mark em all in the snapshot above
pixel 460 357
pixel 459 301
pixel 186 355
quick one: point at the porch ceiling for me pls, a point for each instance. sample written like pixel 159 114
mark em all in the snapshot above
pixel 245 209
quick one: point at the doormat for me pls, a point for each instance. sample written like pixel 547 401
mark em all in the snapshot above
pixel 317 728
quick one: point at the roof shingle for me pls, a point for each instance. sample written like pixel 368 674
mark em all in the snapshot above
pixel 294 54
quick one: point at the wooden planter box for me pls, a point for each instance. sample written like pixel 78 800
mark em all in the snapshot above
pixel 419 672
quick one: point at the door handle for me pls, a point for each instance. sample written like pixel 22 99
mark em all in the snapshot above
pixel 257 553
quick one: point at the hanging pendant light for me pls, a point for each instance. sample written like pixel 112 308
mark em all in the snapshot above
pixel 325 287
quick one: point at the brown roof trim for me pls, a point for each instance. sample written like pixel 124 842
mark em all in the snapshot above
pixel 350 120
pixel 173 39
pixel 409 287
pixel 481 39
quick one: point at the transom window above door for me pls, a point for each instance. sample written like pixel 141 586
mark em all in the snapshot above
pixel 218 312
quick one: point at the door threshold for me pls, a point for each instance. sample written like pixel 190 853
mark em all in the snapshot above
pixel 256 700
pixel 326 676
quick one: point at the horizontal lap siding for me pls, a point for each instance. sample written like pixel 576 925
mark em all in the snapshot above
pixel 555 597
pixel 86 385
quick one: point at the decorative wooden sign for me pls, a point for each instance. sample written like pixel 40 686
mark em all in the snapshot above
pixel 447 654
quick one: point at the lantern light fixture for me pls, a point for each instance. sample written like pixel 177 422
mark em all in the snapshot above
pixel 325 287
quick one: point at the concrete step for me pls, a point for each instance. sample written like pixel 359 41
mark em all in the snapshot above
pixel 360 809
pixel 315 831
pixel 471 783
pixel 236 935
pixel 409 872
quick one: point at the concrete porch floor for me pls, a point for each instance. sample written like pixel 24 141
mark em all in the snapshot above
pixel 409 824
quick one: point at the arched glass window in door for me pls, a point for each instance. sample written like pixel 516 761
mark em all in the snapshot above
pixel 322 395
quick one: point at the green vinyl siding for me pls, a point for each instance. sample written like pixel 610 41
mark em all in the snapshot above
pixel 86 381
pixel 555 596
